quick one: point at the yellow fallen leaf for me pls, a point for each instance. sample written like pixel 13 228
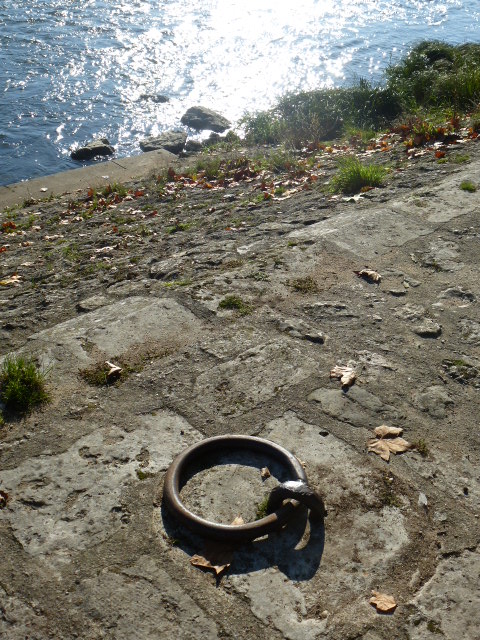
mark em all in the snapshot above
pixel 383 430
pixel 382 602
pixel 384 446
pixel 238 521
pixel 369 274
pixel 14 281
pixel 346 375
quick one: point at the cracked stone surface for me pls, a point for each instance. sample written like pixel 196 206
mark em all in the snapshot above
pixel 88 548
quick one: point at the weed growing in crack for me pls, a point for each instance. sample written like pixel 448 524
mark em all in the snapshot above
pixel 22 385
pixel 304 285
pixel 468 185
pixel 421 447
pixel 262 509
pixel 234 303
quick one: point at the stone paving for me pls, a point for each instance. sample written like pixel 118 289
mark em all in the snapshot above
pixel 88 549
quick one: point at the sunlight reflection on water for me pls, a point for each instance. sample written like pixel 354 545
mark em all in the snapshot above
pixel 70 72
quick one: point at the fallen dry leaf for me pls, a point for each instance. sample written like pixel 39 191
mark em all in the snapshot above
pixel 238 521
pixel 3 499
pixel 265 473
pixel 384 431
pixel 346 375
pixel 14 281
pixel 369 274
pixel 216 558
pixel 385 446
pixel 382 602
pixel 114 371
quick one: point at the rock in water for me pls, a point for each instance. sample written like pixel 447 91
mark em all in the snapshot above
pixel 200 118
pixel 154 97
pixel 95 148
pixel 172 141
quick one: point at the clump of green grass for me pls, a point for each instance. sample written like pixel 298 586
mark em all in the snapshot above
pixel 22 385
pixel 235 303
pixel 468 185
pixel 262 509
pixel 179 226
pixel 312 116
pixel 116 187
pixel 353 176
pixel 422 447
pixel 435 74
pixel 434 79
pixel 304 285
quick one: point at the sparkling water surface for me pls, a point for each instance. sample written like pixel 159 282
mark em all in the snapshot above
pixel 72 71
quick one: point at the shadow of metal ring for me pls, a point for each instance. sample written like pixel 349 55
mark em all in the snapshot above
pixel 225 532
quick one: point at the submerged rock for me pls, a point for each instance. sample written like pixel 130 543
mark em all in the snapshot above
pixel 154 97
pixel 95 148
pixel 201 118
pixel 172 141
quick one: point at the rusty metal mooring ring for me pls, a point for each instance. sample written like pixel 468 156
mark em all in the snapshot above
pixel 299 490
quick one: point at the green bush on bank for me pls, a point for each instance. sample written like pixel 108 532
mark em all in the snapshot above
pixel 434 77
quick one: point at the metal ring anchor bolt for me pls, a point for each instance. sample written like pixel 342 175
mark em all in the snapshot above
pixel 295 490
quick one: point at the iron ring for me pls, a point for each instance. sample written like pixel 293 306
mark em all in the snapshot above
pixel 224 532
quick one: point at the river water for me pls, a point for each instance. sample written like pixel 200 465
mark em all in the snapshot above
pixel 71 71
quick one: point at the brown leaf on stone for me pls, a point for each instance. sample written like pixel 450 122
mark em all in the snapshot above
pixel 369 274
pixel 265 473
pixel 3 499
pixel 382 602
pixel 385 431
pixel 14 281
pixel 380 447
pixel 238 521
pixel 114 371
pixel 346 375
pixel 215 557
pixel 384 446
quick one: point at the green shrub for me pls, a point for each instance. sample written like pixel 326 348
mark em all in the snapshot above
pixel 22 384
pixel 353 176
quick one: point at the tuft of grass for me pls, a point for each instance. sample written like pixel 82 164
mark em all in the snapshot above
pixel 117 188
pixel 235 303
pixel 312 116
pixel 304 285
pixel 354 176
pixel 262 509
pixel 468 185
pixel 178 226
pixel 143 475
pixel 22 385
pixel 421 447
pixel 460 158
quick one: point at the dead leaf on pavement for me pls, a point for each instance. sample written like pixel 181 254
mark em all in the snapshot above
pixel 265 473
pixel 384 430
pixel 346 375
pixel 14 281
pixel 382 602
pixel 215 557
pixel 238 521
pixel 114 371
pixel 3 499
pixel 369 274
pixel 385 446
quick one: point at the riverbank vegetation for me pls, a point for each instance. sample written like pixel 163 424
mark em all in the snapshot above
pixel 424 95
